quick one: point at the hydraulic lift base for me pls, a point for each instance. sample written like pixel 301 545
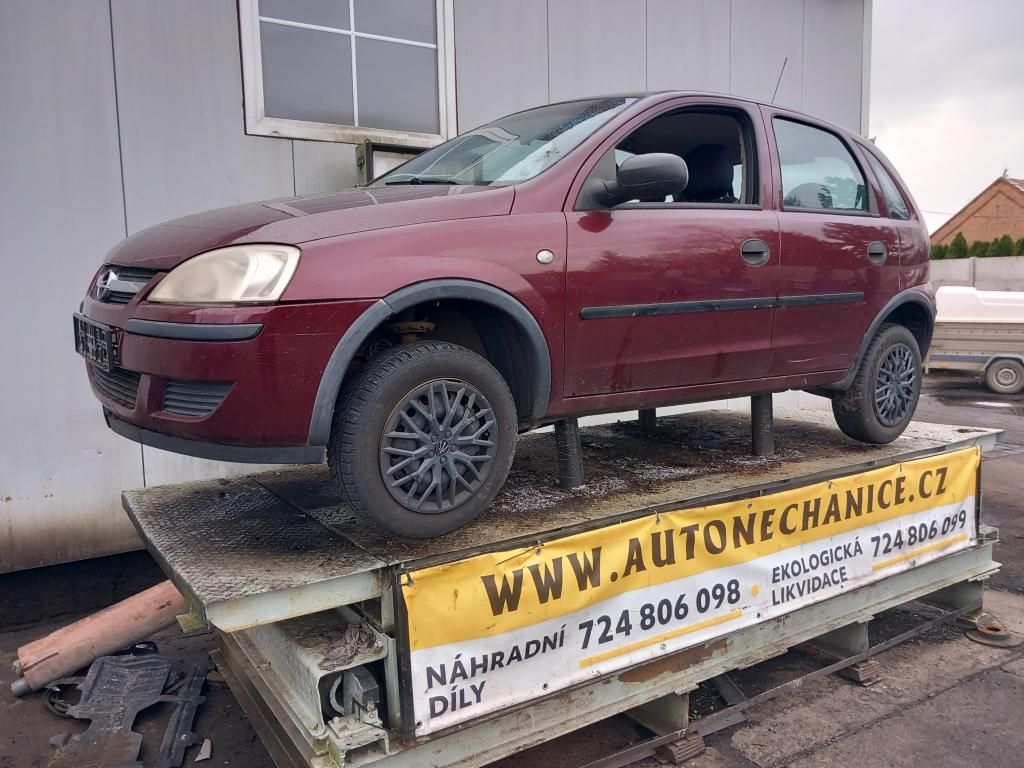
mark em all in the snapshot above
pixel 279 550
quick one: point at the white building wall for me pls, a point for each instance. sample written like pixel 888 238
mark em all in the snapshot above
pixel 809 53
pixel 117 114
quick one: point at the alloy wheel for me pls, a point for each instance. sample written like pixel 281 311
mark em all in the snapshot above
pixel 895 385
pixel 437 446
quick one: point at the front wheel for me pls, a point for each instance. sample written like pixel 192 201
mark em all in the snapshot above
pixel 423 438
pixel 1005 377
pixel 880 403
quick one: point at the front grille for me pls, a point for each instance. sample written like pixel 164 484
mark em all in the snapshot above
pixel 118 285
pixel 119 385
pixel 193 398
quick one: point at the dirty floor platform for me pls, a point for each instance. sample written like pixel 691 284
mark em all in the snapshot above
pixel 229 540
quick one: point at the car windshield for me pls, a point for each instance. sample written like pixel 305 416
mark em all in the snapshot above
pixel 509 150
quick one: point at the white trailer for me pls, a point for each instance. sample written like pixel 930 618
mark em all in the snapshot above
pixel 980 332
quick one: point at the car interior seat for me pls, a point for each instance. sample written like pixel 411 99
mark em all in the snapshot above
pixel 711 173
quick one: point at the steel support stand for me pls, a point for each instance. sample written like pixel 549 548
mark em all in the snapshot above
pixel 648 420
pixel 570 454
pixel 670 714
pixel 851 640
pixel 967 597
pixel 762 425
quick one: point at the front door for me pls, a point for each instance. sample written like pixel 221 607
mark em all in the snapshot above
pixel 664 298
pixel 666 294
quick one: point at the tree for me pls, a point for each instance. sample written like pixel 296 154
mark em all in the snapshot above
pixel 979 249
pixel 939 252
pixel 958 248
pixel 1018 247
pixel 1002 246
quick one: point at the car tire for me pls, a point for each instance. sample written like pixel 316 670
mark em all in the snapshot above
pixel 423 438
pixel 1005 377
pixel 880 403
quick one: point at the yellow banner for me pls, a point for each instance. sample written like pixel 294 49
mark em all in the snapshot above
pixel 496 592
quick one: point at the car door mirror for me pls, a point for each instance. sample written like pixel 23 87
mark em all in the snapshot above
pixel 651 176
pixel 646 177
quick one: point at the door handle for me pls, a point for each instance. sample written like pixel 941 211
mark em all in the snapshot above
pixel 755 251
pixel 877 252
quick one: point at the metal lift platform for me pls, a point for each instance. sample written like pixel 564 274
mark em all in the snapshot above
pixel 681 558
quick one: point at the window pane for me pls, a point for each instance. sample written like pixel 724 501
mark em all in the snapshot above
pixel 894 201
pixel 324 13
pixel 711 143
pixel 407 19
pixel 307 74
pixel 817 169
pixel 397 86
pixel 513 148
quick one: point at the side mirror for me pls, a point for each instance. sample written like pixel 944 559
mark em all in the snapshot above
pixel 648 176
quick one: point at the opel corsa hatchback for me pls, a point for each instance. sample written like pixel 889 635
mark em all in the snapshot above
pixel 584 257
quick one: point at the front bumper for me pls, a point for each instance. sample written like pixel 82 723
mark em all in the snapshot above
pixel 299 454
pixel 269 359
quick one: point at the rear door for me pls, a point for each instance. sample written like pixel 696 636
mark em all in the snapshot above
pixel 913 235
pixel 666 294
pixel 839 260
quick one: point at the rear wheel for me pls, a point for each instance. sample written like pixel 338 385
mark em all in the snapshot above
pixel 880 403
pixel 423 438
pixel 1005 377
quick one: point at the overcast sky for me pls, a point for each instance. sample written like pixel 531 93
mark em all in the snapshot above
pixel 947 96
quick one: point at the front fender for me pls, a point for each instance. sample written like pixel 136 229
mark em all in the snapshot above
pixel 430 290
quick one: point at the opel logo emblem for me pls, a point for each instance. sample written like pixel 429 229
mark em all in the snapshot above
pixel 103 289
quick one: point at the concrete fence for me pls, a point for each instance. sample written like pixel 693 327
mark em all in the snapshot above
pixel 994 273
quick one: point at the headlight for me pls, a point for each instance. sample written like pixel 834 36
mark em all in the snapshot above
pixel 238 274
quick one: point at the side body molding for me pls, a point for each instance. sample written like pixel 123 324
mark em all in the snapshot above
pixel 909 296
pixel 430 290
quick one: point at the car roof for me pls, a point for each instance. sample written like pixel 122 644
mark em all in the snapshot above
pixel 645 97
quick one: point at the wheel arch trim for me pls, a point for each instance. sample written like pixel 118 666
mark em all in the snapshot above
pixel 430 290
pixel 903 298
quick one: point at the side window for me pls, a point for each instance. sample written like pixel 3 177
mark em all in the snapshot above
pixel 898 208
pixel 715 146
pixel 818 170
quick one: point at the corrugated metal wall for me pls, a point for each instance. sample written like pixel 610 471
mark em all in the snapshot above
pixel 117 114
pixel 530 51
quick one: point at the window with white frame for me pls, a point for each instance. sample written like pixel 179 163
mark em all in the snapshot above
pixel 348 70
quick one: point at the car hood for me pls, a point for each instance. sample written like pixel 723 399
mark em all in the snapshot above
pixel 301 219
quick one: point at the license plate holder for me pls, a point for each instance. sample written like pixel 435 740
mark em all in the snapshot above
pixel 95 342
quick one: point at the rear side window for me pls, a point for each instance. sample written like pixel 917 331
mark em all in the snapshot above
pixel 818 171
pixel 898 208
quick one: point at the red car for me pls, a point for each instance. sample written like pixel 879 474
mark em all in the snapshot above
pixel 590 256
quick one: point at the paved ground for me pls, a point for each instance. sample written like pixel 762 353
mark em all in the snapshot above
pixel 945 702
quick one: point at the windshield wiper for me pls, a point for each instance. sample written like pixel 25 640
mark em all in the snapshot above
pixel 425 180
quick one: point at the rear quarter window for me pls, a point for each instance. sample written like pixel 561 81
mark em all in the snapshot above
pixel 894 201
